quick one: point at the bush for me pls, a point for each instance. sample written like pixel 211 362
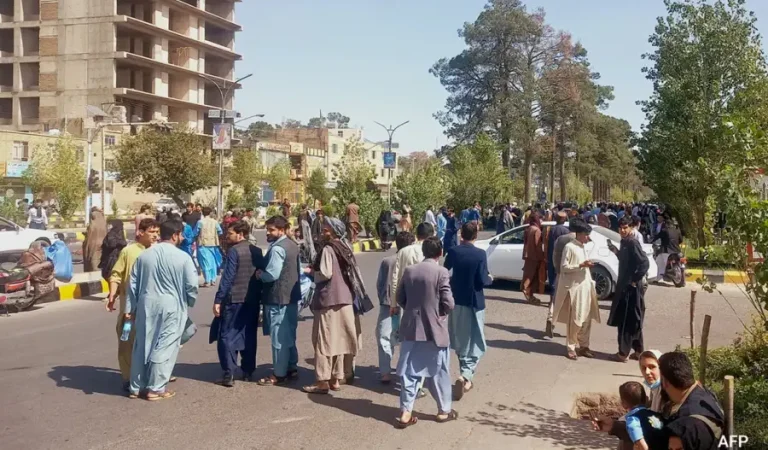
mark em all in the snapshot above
pixel 747 360
pixel 273 210
pixel 329 210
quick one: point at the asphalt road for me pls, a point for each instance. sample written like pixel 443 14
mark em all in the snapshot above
pixel 60 388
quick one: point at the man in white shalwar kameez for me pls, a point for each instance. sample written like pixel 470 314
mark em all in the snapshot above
pixel 576 299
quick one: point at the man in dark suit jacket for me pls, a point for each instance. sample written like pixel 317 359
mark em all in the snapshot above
pixel 424 294
pixel 470 276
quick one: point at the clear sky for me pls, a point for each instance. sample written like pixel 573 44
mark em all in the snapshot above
pixel 370 59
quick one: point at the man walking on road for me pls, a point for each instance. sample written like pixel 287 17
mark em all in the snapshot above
pixel 425 296
pixel 353 219
pixel 386 330
pixel 208 231
pixel 467 321
pixel 281 295
pixel 628 306
pixel 191 216
pixel 252 226
pixel 163 287
pixel 553 264
pixel 119 280
pixel 429 217
pixel 236 306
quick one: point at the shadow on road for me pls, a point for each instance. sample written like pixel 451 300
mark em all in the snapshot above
pixel 364 408
pixel 535 334
pixel 540 347
pixel 549 425
pixel 88 379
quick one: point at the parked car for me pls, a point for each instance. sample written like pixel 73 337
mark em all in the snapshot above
pixel 168 203
pixel 505 256
pixel 15 238
pixel 261 210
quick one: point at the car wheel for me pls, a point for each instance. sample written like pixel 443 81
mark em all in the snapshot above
pixel 603 282
pixel 45 241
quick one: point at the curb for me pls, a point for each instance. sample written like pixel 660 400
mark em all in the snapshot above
pixel 76 291
pixel 717 276
pixel 367 245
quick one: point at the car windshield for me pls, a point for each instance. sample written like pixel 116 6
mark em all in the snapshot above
pixel 610 234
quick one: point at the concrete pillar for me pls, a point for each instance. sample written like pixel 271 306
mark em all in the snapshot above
pixel 17 13
pixel 160 50
pixel 161 84
pixel 161 15
pixel 138 80
pixel 16 77
pixel 16 112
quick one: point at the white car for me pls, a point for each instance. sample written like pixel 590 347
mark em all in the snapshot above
pixel 168 203
pixel 505 256
pixel 15 238
pixel 261 210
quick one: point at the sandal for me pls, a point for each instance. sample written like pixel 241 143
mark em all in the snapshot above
pixel 572 356
pixel 172 379
pixel 272 381
pixel 403 425
pixel 585 352
pixel 152 396
pixel 385 380
pixel 620 358
pixel 635 356
pixel 460 388
pixel 314 389
pixel 293 374
pixel 335 387
pixel 453 415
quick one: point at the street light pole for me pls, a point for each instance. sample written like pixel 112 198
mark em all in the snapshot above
pixel 390 132
pixel 222 113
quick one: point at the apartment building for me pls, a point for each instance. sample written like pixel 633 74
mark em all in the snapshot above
pixel 159 59
pixel 338 141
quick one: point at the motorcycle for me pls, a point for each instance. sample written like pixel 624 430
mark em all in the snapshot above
pixel 674 272
pixel 23 283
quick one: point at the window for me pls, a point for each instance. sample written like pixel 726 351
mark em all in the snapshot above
pixel 513 237
pixel 110 140
pixel 340 133
pixel 334 149
pixel 80 153
pixel 20 151
pixel 373 154
pixel 382 172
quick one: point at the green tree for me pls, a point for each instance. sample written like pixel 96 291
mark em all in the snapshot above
pixel 495 85
pixel 476 174
pixel 169 163
pixel 58 168
pixel 247 173
pixel 279 179
pixel 338 120
pixel 316 186
pixel 706 63
pixel 421 188
pixel 355 175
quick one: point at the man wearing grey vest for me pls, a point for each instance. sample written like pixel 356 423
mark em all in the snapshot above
pixel 280 296
pixel 236 306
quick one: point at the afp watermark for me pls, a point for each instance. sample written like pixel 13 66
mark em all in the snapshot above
pixel 735 441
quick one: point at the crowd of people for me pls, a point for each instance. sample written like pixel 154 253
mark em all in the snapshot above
pixel 431 302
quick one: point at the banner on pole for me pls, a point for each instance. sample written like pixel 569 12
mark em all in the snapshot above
pixel 390 160
pixel 222 136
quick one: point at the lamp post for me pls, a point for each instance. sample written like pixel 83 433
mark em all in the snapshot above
pixel 225 92
pixel 390 132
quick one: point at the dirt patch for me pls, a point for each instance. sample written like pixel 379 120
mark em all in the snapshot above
pixel 591 404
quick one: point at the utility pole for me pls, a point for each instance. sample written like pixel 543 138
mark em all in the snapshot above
pixel 390 132
pixel 222 112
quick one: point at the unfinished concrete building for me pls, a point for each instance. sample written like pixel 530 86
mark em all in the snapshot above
pixel 160 59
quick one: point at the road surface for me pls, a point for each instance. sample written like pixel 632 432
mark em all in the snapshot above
pixel 60 387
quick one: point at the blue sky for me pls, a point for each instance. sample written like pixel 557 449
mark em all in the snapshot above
pixel 370 59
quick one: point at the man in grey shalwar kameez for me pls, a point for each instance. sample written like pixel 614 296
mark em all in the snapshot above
pixel 163 286
pixel 424 293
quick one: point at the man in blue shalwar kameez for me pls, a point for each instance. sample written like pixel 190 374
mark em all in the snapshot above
pixel 163 286
pixel 236 305
pixel 281 296
pixel 467 320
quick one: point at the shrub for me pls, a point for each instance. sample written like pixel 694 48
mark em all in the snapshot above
pixel 329 210
pixel 273 210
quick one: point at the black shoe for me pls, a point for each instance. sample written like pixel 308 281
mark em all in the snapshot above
pixel 550 331
pixel 248 376
pixel 227 380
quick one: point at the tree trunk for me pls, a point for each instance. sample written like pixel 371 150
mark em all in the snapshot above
pixel 701 220
pixel 527 174
pixel 552 176
pixel 563 187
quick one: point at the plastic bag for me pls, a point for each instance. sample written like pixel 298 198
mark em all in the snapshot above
pixel 58 253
